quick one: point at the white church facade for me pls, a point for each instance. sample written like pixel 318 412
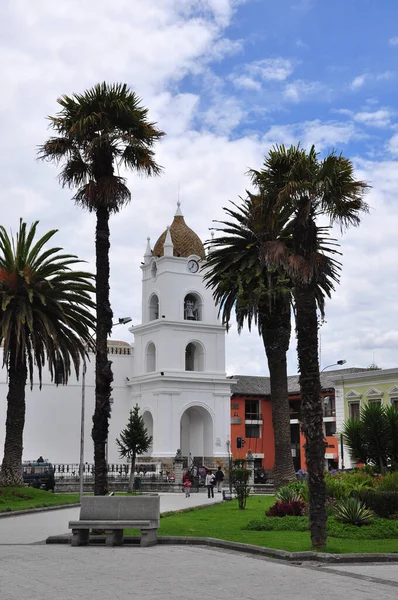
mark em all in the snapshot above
pixel 174 370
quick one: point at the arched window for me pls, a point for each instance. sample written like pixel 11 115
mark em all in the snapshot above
pixel 150 357
pixel 194 357
pixel 153 307
pixel 192 307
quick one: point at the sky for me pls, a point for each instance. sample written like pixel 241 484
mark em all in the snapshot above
pixel 225 79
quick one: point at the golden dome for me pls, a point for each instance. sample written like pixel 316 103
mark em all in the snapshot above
pixel 185 241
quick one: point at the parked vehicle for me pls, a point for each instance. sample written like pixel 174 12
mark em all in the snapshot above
pixel 38 474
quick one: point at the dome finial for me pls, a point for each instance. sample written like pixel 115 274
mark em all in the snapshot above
pixel 178 211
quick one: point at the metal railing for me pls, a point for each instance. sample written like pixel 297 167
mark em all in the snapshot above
pixel 70 472
pixel 253 416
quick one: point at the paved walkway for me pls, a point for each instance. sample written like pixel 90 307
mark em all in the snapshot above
pixel 30 569
pixel 36 527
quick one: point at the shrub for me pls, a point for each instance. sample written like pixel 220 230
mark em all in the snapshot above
pixel 336 487
pixel 389 482
pixel 378 529
pixel 240 481
pixel 295 508
pixel 352 511
pixel 288 494
pixel 383 502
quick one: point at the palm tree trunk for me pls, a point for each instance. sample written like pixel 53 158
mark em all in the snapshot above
pixel 276 329
pixel 311 409
pixel 103 370
pixel 11 468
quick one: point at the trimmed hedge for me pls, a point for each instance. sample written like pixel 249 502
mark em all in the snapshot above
pixel 379 529
pixel 383 502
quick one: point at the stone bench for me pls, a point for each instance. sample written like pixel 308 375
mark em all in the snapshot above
pixel 114 514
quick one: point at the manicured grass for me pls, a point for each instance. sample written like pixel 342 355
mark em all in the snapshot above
pixel 225 521
pixel 22 498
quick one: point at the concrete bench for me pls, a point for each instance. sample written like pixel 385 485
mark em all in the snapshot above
pixel 114 514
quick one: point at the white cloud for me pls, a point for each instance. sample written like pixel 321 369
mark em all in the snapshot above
pixel 253 75
pixel 324 135
pixel 377 118
pixel 298 91
pixel 393 41
pixel 359 81
pixel 392 144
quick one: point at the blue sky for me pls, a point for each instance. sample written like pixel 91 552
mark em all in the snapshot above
pixel 225 79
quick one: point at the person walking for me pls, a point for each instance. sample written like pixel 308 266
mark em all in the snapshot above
pixel 187 487
pixel 219 476
pixel 209 483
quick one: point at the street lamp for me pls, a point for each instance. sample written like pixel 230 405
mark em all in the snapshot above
pixel 121 321
pixel 339 362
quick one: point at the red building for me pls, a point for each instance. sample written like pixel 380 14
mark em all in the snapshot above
pixel 251 420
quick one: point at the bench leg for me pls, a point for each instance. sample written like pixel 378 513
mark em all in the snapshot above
pixel 149 537
pixel 114 537
pixel 80 537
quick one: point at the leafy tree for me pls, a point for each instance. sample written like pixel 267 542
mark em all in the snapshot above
pixel 134 440
pixel 373 438
pixel 97 132
pixel 45 318
pixel 240 477
pixel 308 188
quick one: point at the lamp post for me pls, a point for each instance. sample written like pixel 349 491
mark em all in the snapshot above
pixel 121 321
pixel 339 362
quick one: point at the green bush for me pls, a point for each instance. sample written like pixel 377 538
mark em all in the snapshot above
pixel 336 487
pixel 389 482
pixel 352 511
pixel 288 493
pixel 378 529
pixel 383 502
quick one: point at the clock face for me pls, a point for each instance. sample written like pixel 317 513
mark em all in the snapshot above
pixel 193 266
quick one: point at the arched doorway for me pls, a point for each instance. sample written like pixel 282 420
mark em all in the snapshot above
pixel 196 433
pixel 148 421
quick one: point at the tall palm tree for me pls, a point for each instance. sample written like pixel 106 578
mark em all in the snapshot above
pixel 99 131
pixel 46 313
pixel 239 281
pixel 309 187
pixel 262 295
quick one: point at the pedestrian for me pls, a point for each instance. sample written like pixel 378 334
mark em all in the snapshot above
pixel 219 476
pixel 209 483
pixel 187 487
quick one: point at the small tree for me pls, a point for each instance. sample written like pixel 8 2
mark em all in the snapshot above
pixel 134 440
pixel 239 477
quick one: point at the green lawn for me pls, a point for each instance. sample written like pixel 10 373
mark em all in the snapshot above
pixel 225 521
pixel 22 498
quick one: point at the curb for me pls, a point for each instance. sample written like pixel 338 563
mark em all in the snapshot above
pixel 28 511
pixel 293 557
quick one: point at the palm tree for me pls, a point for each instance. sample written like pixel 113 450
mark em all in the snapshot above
pixel 45 318
pixel 309 187
pixel 259 295
pixel 97 132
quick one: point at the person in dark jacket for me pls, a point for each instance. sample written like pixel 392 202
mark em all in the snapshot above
pixel 219 479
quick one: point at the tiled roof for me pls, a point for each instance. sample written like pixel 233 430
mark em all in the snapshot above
pixel 185 241
pixel 248 385
pixel 118 343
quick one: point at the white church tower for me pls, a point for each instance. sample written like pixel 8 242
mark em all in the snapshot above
pixel 179 378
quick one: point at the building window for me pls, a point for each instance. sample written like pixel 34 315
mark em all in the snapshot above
pixel 194 357
pixel 154 308
pixel 330 428
pixel 252 431
pixel 192 307
pixel 374 401
pixel 394 402
pixel 151 357
pixel 252 410
pixel 328 406
pixel 353 410
pixel 294 409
